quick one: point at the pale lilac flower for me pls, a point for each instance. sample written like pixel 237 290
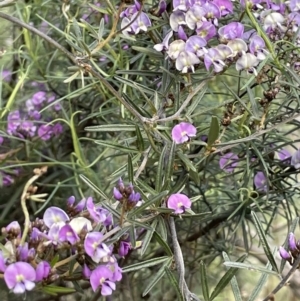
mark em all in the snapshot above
pixel 100 277
pixel 238 46
pixel 45 132
pixel 141 23
pixel 126 30
pixel 228 162
pixel 257 47
pixel 194 15
pixel 213 57
pixel 181 34
pixel 283 154
pixel 116 270
pixel 177 18
pixel 295 161
pixel 179 203
pixel 86 272
pixel 81 223
pixel 132 9
pixel 284 253
pixel 54 215
pixel 212 12
pixel 186 60
pixel 97 213
pixel 273 20
pixel 292 242
pixel 260 181
pixel 225 6
pixel 294 5
pixel 231 31
pixel 225 51
pixel 53 234
pixel 6 75
pixel 175 48
pixel 247 62
pixel 195 44
pixel 181 5
pixel 19 277
pixel 206 30
pixel 67 233
pixel 42 270
pixel 39 98
pixel 182 132
pixel 94 247
pixel 165 43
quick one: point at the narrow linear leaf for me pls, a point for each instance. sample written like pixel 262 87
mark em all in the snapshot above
pixel 170 165
pixel 234 285
pixel 148 237
pixel 111 128
pixel 204 285
pixel 161 272
pixel 174 283
pixel 225 279
pixel 93 186
pixel 130 169
pixel 162 229
pixel 160 169
pixel 260 284
pixel 116 146
pixel 214 131
pixel 264 241
pixel 249 267
pixel 162 243
pixel 139 139
pixel 145 264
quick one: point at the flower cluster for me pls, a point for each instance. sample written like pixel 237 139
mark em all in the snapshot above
pixel 29 124
pixel 60 234
pixel 134 20
pixel 293 251
pixel 126 196
pixel 195 26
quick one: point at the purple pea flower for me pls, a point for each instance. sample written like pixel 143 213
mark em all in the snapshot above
pixel 225 6
pixel 194 15
pixel 179 203
pixel 272 20
pixel 181 5
pixel 116 270
pixel 165 43
pixel 67 233
pixel 292 242
pixel 195 44
pixel 54 215
pixel 212 12
pixel 295 161
pixel 283 154
pixel 284 253
pixel 231 31
pixel 45 132
pixel 141 23
pixel 181 34
pixel 97 213
pixel 6 75
pixel 177 18
pixel 229 162
pixel 213 57
pixel 14 227
pixel 257 47
pixel 182 132
pixel 186 60
pixel 124 248
pixel 94 247
pixel 39 98
pixel 42 270
pixel 206 30
pixel 260 181
pixel 100 277
pixel 19 277
pixel 53 234
pixel 294 5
